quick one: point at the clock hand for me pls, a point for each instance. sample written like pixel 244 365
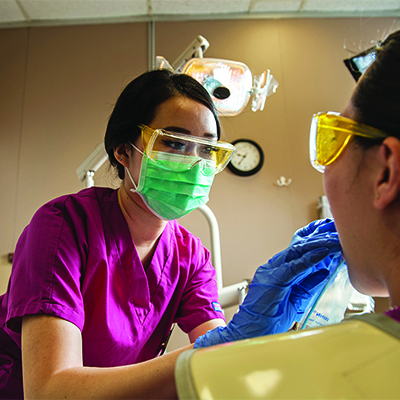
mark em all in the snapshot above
pixel 243 157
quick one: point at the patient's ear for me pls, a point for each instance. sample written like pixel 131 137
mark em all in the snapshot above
pixel 388 183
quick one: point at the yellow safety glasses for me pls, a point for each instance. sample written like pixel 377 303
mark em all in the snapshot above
pixel 190 149
pixel 329 135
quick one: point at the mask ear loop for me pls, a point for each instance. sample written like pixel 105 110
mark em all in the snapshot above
pixel 129 174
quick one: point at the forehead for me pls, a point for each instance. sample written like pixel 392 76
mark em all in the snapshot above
pixel 187 114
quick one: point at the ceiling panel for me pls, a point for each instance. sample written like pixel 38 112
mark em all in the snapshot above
pixel 15 13
pixel 351 5
pixel 10 12
pixel 70 9
pixel 176 7
pixel 277 6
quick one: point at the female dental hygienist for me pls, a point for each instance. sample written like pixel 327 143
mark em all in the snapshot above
pixel 100 276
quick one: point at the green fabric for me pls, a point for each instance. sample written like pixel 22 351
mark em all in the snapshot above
pixel 171 190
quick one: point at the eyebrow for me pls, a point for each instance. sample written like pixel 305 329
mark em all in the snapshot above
pixel 178 129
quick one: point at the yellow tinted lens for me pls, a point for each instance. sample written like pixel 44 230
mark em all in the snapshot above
pixel 330 133
pixel 222 158
pixel 331 140
pixel 217 154
pixel 214 152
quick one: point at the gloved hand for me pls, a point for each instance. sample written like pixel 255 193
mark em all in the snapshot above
pixel 316 227
pixel 282 289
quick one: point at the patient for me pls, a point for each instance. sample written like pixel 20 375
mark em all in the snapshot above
pixel 362 177
pixel 359 153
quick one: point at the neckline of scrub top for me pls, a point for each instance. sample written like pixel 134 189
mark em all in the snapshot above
pixel 143 283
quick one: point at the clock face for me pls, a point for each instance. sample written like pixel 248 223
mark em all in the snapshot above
pixel 247 159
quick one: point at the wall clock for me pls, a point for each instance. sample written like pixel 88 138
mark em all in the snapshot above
pixel 247 159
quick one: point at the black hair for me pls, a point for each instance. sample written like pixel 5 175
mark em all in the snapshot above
pixel 376 98
pixel 137 104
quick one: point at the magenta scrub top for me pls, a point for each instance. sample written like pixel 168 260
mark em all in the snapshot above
pixel 76 260
pixel 394 312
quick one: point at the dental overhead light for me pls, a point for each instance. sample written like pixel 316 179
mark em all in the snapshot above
pixel 229 83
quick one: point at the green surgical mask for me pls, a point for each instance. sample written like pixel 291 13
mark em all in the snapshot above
pixel 173 185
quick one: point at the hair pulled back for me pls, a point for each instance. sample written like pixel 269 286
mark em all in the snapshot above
pixel 376 97
pixel 138 102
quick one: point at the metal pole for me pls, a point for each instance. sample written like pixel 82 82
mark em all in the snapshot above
pixel 215 243
pixel 152 44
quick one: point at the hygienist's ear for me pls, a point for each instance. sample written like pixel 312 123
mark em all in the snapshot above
pixel 388 183
pixel 122 154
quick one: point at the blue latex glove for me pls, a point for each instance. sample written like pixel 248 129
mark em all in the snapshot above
pixel 316 227
pixel 282 289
